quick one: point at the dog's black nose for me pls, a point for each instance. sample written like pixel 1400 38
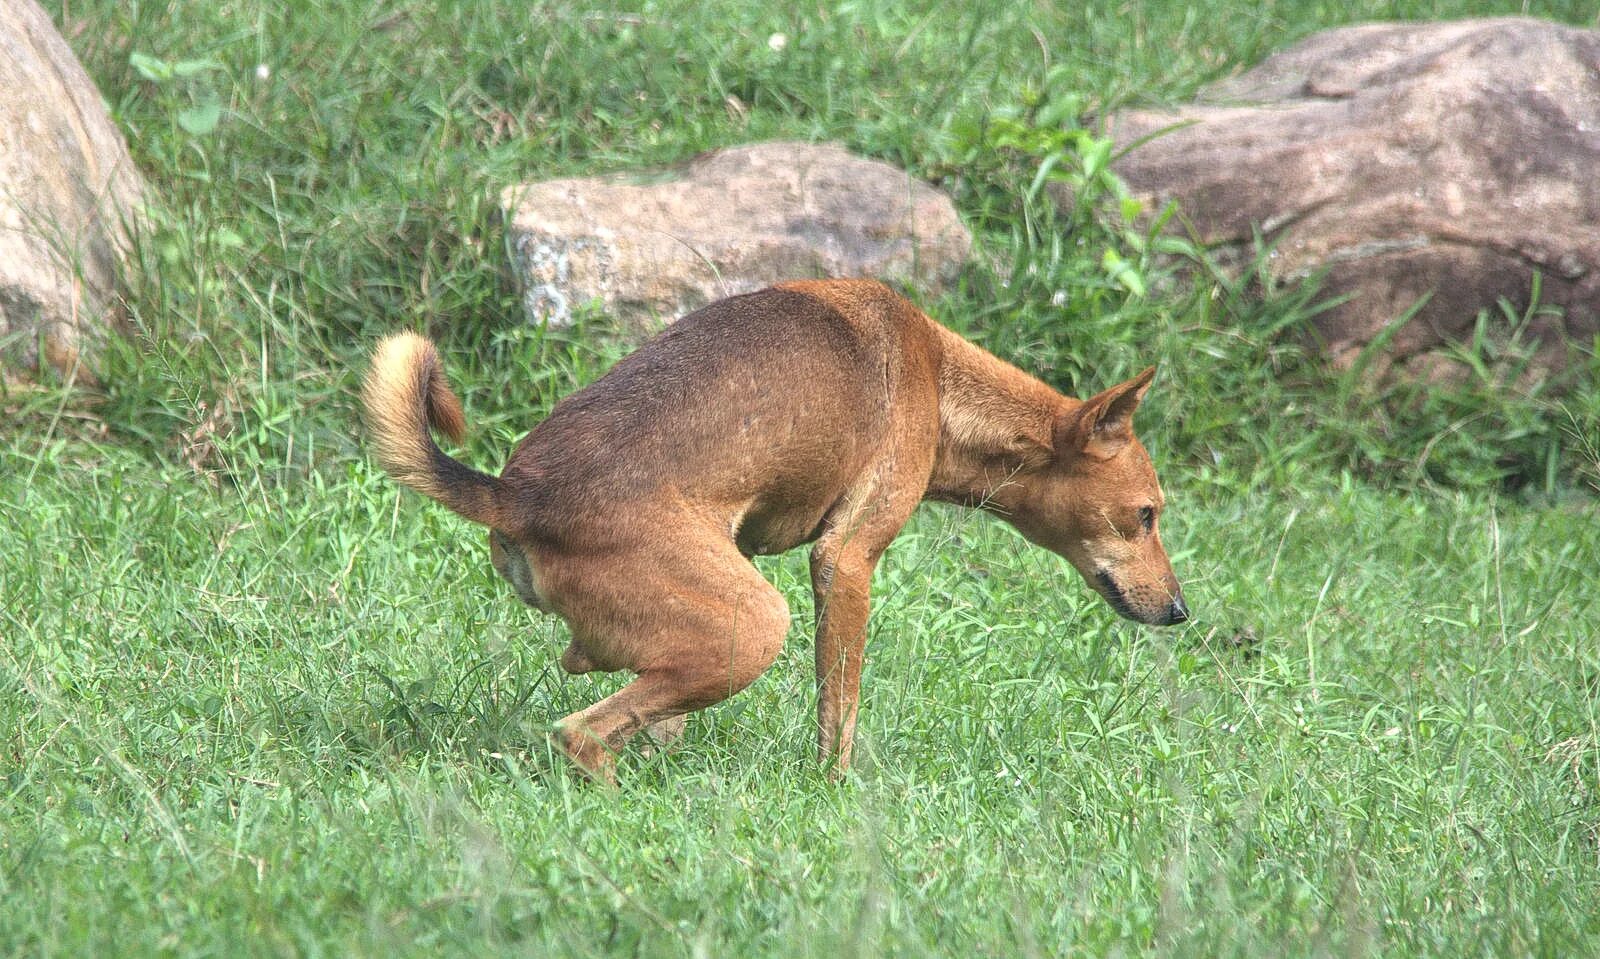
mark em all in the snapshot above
pixel 1177 612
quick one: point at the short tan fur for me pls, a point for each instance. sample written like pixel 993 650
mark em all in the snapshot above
pixel 814 412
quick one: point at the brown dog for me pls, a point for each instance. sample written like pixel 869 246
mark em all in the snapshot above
pixel 819 411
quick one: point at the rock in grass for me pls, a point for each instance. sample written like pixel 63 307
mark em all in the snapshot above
pixel 1451 160
pixel 67 186
pixel 651 249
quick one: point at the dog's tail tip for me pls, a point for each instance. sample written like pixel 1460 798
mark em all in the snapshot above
pixel 406 375
pixel 404 395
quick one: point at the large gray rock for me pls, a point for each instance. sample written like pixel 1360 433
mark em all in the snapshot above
pixel 732 221
pixel 67 186
pixel 1451 159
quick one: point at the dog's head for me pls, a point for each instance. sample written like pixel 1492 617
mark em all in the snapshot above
pixel 1095 500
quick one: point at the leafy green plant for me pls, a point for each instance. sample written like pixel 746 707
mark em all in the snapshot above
pixel 200 107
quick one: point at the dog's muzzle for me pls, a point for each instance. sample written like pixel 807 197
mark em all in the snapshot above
pixel 1175 612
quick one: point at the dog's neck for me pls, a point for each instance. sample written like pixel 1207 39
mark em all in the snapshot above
pixel 994 422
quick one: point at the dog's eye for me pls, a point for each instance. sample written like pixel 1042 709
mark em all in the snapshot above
pixel 1147 518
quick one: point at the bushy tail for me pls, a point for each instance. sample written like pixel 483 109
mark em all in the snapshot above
pixel 404 394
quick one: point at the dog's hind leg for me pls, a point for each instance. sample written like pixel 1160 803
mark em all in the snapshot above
pixel 592 736
pixel 667 731
pixel 723 628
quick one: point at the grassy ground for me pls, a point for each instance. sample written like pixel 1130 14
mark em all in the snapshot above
pixel 253 700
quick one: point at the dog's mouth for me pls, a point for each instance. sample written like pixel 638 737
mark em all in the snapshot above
pixel 1114 595
pixel 1175 612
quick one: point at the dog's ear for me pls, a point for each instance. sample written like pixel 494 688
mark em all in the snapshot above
pixel 1103 425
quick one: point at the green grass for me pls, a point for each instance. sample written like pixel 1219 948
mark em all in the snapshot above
pixel 253 700
pixel 303 718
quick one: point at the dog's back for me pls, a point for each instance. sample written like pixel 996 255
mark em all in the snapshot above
pixel 757 405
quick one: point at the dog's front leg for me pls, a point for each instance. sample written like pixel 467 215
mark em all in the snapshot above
pixel 841 577
pixel 855 535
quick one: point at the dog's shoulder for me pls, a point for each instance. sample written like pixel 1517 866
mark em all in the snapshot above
pixel 868 305
pixel 885 322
